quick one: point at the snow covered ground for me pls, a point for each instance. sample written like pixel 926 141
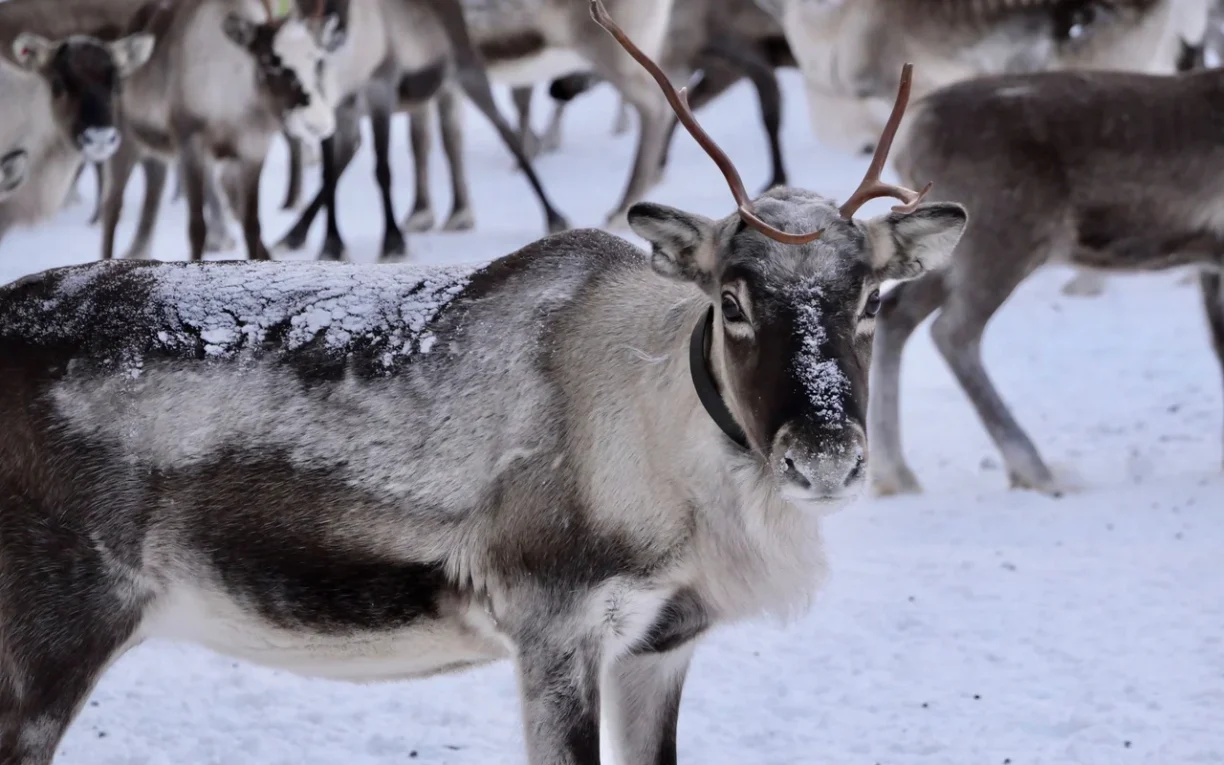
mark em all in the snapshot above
pixel 970 625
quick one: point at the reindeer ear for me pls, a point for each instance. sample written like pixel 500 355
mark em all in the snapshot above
pixel 241 30
pixel 131 53
pixel 31 51
pixel 906 245
pixel 682 244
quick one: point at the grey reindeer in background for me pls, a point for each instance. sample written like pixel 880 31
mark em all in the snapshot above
pixel 1108 170
pixel 59 104
pixel 354 494
pixel 227 77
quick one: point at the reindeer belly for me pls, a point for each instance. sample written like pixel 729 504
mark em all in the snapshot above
pixel 456 635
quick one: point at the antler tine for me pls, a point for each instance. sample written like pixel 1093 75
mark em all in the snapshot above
pixel 319 8
pixel 267 4
pixel 872 187
pixel 679 104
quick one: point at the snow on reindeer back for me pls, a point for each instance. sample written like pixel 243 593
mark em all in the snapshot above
pixel 336 308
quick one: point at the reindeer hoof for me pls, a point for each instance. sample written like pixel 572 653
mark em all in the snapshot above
pixel 141 254
pixel 333 249
pixel 393 257
pixel 557 223
pixel 1084 284
pixel 394 246
pixel 220 243
pixel 895 482
pixel 419 220
pixel 460 220
pixel 550 142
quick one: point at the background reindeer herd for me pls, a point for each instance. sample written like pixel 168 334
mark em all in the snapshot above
pixel 205 87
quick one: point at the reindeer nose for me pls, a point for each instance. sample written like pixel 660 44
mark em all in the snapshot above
pixel 99 143
pixel 823 465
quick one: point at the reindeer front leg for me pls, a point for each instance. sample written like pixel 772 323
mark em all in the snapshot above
pixel 641 695
pixel 559 683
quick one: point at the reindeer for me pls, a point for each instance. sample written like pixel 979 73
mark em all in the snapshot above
pixel 1050 160
pixel 525 42
pixel 383 45
pixel 226 77
pixel 14 171
pixel 64 89
pixel 848 51
pixel 725 41
pixel 347 490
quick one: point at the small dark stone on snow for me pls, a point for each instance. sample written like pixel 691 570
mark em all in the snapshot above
pixel 1126 744
pixel 977 697
pixel 101 734
pixel 94 703
pixel 413 753
pixel 925 705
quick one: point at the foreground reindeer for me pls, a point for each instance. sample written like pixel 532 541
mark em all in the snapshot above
pixel 57 109
pixel 1113 171
pixel 226 78
pixel 318 467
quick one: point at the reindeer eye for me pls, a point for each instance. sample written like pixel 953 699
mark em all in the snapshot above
pixel 873 304
pixel 731 308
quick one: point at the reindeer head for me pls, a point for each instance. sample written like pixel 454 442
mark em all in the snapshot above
pixel 84 75
pixel 291 68
pixel 14 170
pixel 328 22
pixel 794 283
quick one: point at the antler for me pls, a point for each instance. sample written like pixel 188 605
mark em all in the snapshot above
pixel 267 4
pixel 872 187
pixel 319 8
pixel 679 104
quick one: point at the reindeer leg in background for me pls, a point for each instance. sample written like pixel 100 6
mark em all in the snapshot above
pixel 902 309
pixel 563 90
pixel 623 120
pixel 342 146
pixel 246 187
pixel 450 117
pixel 639 88
pixel 380 96
pixel 177 192
pixel 741 54
pixel 194 167
pixel 218 238
pixel 529 142
pixel 73 197
pixel 1212 286
pixel 474 79
pixel 99 174
pixel 155 185
pixel 293 189
pixel 118 171
pixel 420 140
pixel 475 84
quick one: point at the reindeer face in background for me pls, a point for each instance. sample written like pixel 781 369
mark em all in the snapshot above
pixel 292 71
pixel 84 76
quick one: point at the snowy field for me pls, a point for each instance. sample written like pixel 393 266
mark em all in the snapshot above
pixel 969 625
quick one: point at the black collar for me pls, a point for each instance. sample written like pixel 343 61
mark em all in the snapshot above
pixel 707 387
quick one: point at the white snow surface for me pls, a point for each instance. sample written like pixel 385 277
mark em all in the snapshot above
pixel 968 625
